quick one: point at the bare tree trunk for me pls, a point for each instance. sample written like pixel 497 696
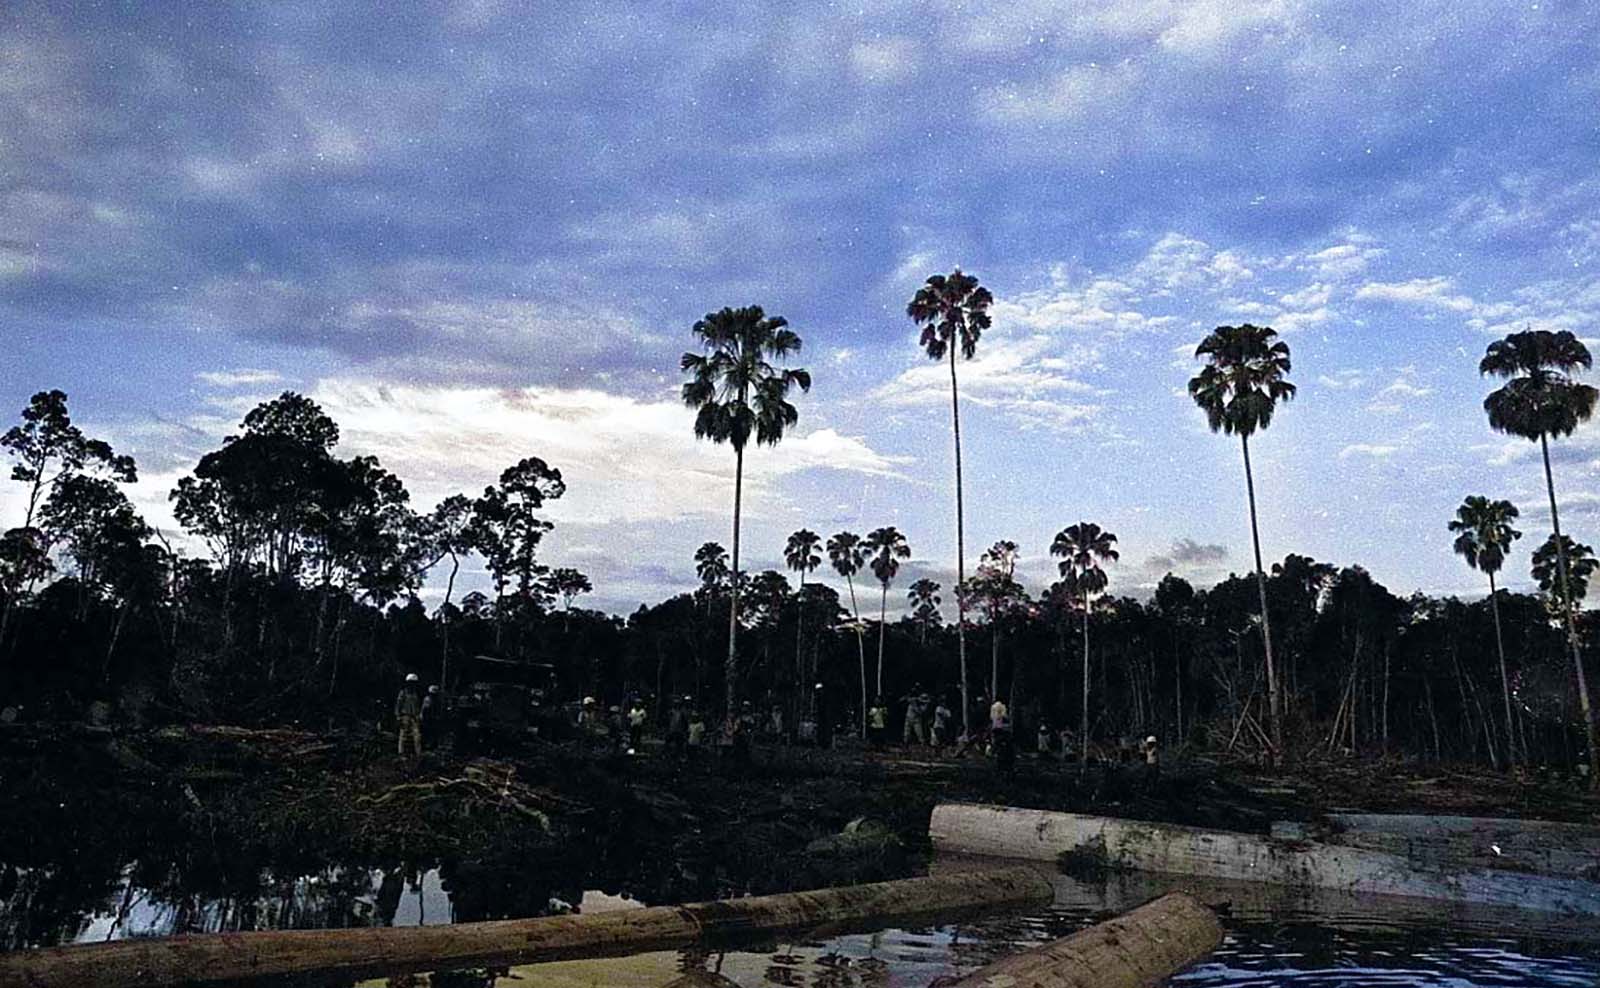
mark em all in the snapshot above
pixel 883 611
pixel 731 669
pixel 1083 741
pixel 444 659
pixel 861 651
pixel 1590 725
pixel 800 691
pixel 961 560
pixel 1433 716
pixel 1266 622
pixel 1387 654
pixel 1505 680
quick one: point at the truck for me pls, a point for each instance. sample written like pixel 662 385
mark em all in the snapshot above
pixel 505 702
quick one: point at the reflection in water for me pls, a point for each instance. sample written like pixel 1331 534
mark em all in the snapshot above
pixel 1275 936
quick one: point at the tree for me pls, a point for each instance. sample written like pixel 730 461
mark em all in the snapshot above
pixel 801 554
pixel 1547 571
pixel 847 554
pixel 887 547
pixel 450 529
pixel 711 565
pixel 924 599
pixel 1244 380
pixel 1483 537
pixel 1176 601
pixel 997 593
pixel 48 448
pixel 567 583
pixel 507 533
pixel 737 392
pixel 953 312
pixel 1082 548
pixel 1541 399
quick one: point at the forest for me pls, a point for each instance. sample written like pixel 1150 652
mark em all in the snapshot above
pixel 292 595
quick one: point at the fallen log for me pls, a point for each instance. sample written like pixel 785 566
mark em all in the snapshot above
pixel 1123 844
pixel 1138 949
pixel 378 951
pixel 1561 849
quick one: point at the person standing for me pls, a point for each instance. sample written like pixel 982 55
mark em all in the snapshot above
pixel 408 715
pixel 999 715
pixel 636 719
pixel 432 710
pixel 678 725
pixel 878 723
pixel 941 724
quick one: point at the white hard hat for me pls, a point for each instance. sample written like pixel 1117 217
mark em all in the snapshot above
pixel 411 677
pixel 1151 740
pixel 588 701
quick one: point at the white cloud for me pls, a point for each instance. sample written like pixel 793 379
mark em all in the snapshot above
pixel 242 377
pixel 1435 293
pixel 886 60
pixel 1377 451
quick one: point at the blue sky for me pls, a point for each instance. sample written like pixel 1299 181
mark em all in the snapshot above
pixel 480 231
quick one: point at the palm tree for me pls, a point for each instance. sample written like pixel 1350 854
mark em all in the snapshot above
pixel 801 555
pixel 1541 399
pixel 1483 537
pixel 1082 548
pixel 1244 380
pixel 1581 565
pixel 888 547
pixel 736 391
pixel 848 555
pixel 924 599
pixel 954 310
pixel 711 564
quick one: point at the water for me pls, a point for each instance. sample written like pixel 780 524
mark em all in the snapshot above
pixel 1274 937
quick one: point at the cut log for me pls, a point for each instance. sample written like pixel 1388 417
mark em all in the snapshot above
pixel 1122 844
pixel 1138 949
pixel 1560 849
pixel 356 953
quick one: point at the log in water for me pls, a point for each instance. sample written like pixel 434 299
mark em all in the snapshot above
pixel 1138 949
pixel 210 958
pixel 1124 844
pixel 1564 850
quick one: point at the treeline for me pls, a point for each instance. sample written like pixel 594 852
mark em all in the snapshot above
pixel 305 608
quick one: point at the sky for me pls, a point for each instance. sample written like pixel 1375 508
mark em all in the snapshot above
pixel 480 231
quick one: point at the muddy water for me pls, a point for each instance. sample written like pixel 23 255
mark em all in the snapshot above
pixel 1274 937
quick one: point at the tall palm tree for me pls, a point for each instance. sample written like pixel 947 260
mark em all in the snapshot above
pixel 923 596
pixel 1244 380
pixel 711 564
pixel 887 547
pixel 1082 548
pixel 1581 565
pixel 1483 537
pixel 802 555
pixel 953 312
pixel 738 391
pixel 1541 399
pixel 847 554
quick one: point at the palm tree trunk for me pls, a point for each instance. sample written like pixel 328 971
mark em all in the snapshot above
pixel 1083 739
pixel 1505 680
pixel 861 651
pixel 883 611
pixel 961 561
pixel 1591 728
pixel 800 690
pixel 730 670
pixel 1275 703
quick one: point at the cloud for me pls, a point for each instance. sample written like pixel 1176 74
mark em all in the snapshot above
pixel 242 377
pixel 1377 451
pixel 1437 293
pixel 886 60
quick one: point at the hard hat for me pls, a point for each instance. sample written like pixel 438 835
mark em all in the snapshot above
pixel 616 709
pixel 411 677
pixel 434 688
pixel 588 701
pixel 1151 740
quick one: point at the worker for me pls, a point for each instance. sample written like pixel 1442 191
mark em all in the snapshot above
pixel 432 710
pixel 999 713
pixel 636 719
pixel 1044 738
pixel 408 715
pixel 877 722
pixel 941 724
pixel 616 726
pixel 697 729
pixel 916 706
pixel 678 724
pixel 588 715
pixel 1152 758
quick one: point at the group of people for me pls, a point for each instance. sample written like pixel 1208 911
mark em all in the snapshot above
pixel 417 715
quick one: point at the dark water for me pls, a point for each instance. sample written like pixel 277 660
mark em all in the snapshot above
pixel 1274 937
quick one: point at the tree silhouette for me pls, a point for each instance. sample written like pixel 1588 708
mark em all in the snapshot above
pixel 847 554
pixel 1483 537
pixel 953 312
pixel 711 565
pixel 1546 570
pixel 449 527
pixel 737 392
pixel 802 553
pixel 1244 380
pixel 1540 399
pixel 887 547
pixel 923 596
pixel 1082 548
pixel 567 583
